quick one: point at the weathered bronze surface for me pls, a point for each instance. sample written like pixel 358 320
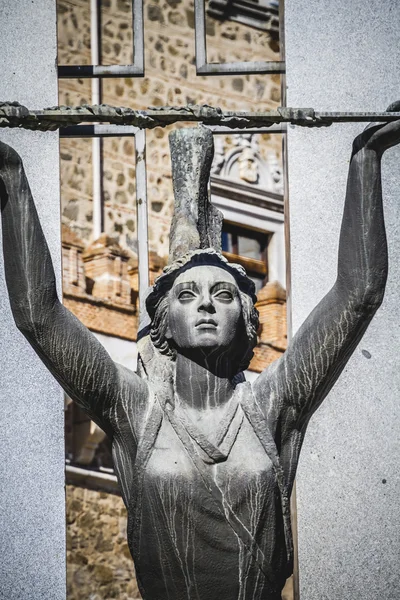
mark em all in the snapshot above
pixel 205 461
pixel 13 114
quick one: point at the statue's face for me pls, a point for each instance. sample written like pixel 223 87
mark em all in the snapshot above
pixel 204 308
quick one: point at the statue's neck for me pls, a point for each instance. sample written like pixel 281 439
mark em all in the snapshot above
pixel 198 387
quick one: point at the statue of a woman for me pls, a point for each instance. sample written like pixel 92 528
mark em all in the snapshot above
pixel 205 461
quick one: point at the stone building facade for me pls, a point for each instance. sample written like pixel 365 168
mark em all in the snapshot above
pixel 100 273
pixel 170 79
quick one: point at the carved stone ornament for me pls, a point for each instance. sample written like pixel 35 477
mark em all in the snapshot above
pixel 244 163
pixel 205 460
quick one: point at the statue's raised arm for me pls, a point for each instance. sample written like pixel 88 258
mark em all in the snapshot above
pixel 69 350
pixel 297 383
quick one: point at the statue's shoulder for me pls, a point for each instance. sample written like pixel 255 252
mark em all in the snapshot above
pixel 156 370
pixel 129 401
pixel 132 386
pixel 265 394
pixel 246 397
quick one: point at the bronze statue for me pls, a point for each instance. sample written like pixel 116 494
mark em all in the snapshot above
pixel 205 461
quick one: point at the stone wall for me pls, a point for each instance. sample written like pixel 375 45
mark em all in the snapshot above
pixel 99 564
pixel 170 80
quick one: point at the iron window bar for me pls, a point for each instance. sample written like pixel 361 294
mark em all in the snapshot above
pixel 92 131
pixel 134 70
pixel 13 114
pixel 230 68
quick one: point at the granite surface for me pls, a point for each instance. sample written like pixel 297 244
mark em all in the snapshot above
pixel 345 56
pixel 32 516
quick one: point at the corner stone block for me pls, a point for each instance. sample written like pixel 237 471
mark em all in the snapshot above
pixel 345 56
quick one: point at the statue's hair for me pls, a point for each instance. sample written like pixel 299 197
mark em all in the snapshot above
pixel 157 305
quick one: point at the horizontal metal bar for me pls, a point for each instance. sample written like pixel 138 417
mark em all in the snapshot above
pixel 90 71
pixel 241 68
pixel 221 130
pixel 13 114
pixel 94 131
pixel 91 131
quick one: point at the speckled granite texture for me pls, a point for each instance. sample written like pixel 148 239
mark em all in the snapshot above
pixel 32 515
pixel 345 56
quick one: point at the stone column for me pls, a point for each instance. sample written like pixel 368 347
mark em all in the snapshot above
pixel 32 513
pixel 345 56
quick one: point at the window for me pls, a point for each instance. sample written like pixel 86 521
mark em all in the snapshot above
pixel 261 14
pixel 249 248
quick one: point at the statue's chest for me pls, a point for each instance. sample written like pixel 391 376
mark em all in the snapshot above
pixel 246 471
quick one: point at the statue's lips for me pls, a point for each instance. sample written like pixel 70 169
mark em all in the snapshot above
pixel 206 324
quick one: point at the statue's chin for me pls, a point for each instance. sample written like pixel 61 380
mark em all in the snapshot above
pixel 205 351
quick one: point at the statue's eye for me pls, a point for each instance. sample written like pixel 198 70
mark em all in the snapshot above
pixel 186 295
pixel 224 295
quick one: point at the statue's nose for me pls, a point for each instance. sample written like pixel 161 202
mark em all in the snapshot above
pixel 206 305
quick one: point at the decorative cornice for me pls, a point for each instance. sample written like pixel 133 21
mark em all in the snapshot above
pixel 243 162
pixel 70 238
pixel 94 480
pixel 105 244
pixel 235 190
pixel 271 293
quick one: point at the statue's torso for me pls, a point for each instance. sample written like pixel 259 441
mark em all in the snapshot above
pixel 182 542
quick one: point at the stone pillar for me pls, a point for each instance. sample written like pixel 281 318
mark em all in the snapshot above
pixel 345 56
pixel 32 514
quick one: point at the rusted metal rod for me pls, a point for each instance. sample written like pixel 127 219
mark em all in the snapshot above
pixel 13 114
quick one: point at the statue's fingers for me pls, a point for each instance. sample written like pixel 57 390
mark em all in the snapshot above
pixel 374 125
pixel 392 135
pixel 8 155
pixel 394 107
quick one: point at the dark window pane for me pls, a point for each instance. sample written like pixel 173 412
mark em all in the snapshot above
pixel 225 241
pixel 249 247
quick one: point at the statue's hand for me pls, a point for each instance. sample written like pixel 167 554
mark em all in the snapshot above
pixel 380 136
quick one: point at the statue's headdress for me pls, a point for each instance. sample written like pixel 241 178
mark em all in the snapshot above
pixel 195 237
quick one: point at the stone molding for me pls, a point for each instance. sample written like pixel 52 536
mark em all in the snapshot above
pixel 244 163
